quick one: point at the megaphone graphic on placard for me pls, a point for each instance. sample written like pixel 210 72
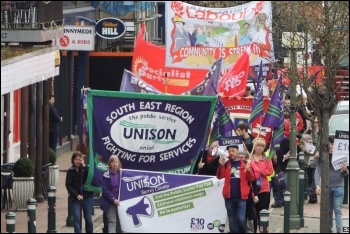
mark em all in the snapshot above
pixel 219 152
pixel 143 207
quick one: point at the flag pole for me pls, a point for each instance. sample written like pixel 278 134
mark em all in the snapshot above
pixel 206 140
pixel 255 138
pixel 166 80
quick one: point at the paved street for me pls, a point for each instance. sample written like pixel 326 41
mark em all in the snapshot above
pixel 311 212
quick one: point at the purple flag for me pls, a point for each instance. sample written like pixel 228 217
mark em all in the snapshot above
pixel 277 137
pixel 133 83
pixel 274 118
pixel 257 107
pixel 275 111
pixel 209 85
pixel 223 124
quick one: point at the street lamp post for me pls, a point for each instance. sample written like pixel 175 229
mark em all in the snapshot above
pixel 293 166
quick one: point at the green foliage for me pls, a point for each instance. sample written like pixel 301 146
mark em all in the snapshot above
pixel 52 157
pixel 24 167
pixel 217 4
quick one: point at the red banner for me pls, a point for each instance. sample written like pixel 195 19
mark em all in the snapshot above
pixel 149 64
pixel 240 109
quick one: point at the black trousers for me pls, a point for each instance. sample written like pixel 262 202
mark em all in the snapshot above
pixel 53 138
pixel 264 203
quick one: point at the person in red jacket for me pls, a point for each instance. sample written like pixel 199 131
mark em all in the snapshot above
pixel 237 174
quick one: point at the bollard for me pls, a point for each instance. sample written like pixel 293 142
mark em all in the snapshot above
pixel 51 217
pixel 301 156
pixel 286 205
pixel 301 197
pixel 31 211
pixel 10 222
pixel 264 221
pixel 70 217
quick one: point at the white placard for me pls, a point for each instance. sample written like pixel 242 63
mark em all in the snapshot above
pixel 310 148
pixel 340 149
pixel 311 160
pixel 345 225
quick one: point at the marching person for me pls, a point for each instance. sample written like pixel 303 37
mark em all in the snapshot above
pixel 75 180
pixel 208 165
pixel 110 193
pixel 263 166
pixel 236 188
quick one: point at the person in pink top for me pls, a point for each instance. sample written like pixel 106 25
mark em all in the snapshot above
pixel 264 167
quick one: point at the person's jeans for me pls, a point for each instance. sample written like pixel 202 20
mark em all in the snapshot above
pixel 278 197
pixel 88 205
pixel 336 196
pixel 236 213
pixel 285 176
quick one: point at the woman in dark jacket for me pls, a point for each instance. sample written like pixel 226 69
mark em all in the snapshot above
pixel 75 180
pixel 110 193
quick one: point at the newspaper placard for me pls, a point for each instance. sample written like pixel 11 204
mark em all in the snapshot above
pixel 310 148
pixel 345 225
pixel 340 149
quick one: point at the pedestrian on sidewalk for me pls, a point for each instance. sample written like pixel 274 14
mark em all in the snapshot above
pixel 336 187
pixel 311 157
pixel 110 191
pixel 54 120
pixel 81 199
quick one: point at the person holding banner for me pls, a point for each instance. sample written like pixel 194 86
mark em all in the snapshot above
pixel 110 193
pixel 208 165
pixel 81 199
pixel 248 92
pixel 236 188
pixel 336 187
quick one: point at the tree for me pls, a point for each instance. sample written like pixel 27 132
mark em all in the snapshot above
pixel 327 24
pixel 331 28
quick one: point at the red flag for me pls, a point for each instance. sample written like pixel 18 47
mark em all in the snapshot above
pixel 149 65
pixel 234 82
pixel 142 31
